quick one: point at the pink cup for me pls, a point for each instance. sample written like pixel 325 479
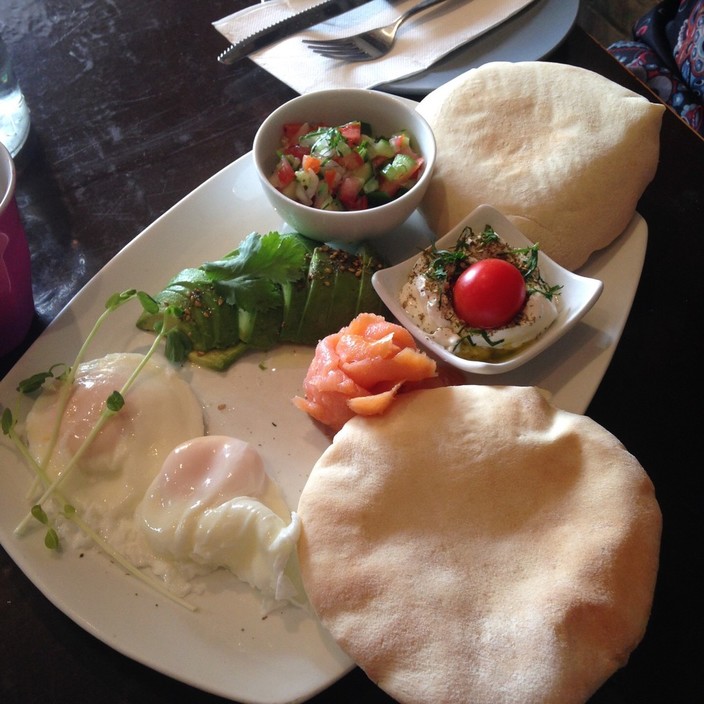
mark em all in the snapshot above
pixel 16 300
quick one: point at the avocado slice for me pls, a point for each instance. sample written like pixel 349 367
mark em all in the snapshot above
pixel 339 286
pixel 316 308
pixel 219 359
pixel 295 296
pixel 368 300
pixel 205 320
pixel 334 286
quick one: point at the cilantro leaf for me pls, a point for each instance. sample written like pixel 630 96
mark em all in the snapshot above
pixel 251 293
pixel 251 276
pixel 274 256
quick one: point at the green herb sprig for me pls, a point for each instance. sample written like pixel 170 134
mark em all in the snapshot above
pixel 446 264
pixel 249 278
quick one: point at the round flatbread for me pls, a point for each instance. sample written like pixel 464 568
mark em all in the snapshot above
pixel 563 152
pixel 476 544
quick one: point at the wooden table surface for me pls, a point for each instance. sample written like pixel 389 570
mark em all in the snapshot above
pixel 130 112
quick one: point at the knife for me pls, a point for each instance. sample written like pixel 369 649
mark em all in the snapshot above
pixel 287 26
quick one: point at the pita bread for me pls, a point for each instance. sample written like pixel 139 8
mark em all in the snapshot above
pixel 476 544
pixel 563 152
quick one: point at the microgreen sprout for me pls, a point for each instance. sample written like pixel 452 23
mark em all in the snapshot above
pixel 51 537
pixel 113 404
pixel 36 381
pixel 40 514
pixel 7 421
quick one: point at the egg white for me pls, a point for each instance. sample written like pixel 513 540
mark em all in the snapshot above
pixel 161 492
pixel 213 504
pixel 112 475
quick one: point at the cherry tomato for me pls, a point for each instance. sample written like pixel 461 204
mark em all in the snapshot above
pixel 489 293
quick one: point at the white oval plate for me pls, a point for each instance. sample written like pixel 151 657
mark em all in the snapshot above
pixel 577 296
pixel 226 648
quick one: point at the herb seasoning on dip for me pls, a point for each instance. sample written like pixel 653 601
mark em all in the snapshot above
pixel 482 299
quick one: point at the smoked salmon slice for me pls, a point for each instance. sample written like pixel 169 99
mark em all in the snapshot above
pixel 360 369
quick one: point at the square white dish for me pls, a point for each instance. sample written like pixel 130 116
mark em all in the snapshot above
pixel 577 296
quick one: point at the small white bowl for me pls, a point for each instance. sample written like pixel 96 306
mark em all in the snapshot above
pixel 577 296
pixel 386 114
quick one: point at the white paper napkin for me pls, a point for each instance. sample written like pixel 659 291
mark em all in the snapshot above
pixel 422 40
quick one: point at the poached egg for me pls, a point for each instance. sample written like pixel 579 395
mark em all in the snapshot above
pixel 214 504
pixel 112 474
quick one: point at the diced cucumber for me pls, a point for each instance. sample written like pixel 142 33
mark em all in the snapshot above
pixel 364 172
pixel 399 168
pixel 370 186
pixel 333 204
pixel 306 186
pixel 382 147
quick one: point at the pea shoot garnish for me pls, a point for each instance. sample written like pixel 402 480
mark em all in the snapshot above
pixel 52 505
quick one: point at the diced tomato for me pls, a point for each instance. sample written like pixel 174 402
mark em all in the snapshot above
pixel 360 203
pixel 350 187
pixel 284 172
pixel 388 187
pixel 297 150
pixel 350 193
pixel 331 178
pixel 293 131
pixel 351 160
pixel 352 132
pixel 310 163
pixel 401 143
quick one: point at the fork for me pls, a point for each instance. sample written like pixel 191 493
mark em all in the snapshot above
pixel 368 45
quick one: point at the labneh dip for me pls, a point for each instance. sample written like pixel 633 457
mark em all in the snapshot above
pixel 427 297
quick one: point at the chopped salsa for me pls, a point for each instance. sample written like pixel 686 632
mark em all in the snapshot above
pixel 344 167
